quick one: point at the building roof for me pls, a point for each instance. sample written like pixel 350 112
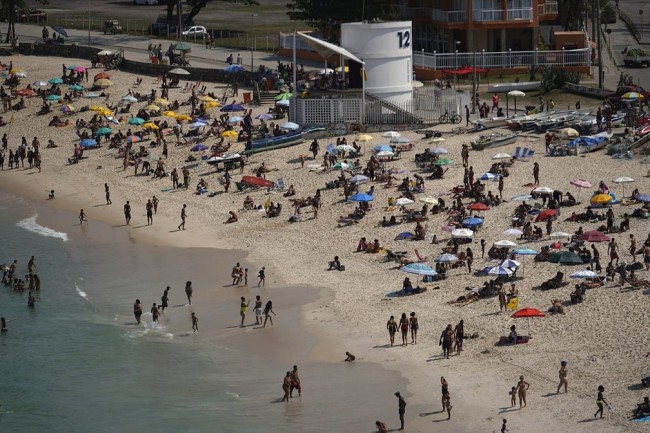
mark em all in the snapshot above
pixel 327 49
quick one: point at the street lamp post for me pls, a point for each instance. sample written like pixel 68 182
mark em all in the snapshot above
pixel 254 41
pixel 88 22
pixel 641 24
pixel 601 75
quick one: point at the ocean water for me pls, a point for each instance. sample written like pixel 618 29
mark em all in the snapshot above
pixel 78 363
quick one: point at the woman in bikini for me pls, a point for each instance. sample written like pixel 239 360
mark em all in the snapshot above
pixel 392 329
pixel 404 326
pixel 137 310
pixel 562 373
pixel 413 323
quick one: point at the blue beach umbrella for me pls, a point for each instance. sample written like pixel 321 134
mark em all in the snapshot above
pixel 361 197
pixel 489 177
pixel 232 107
pixel 499 271
pixel 404 235
pixel 382 148
pixel 234 68
pixel 196 125
pixel 199 147
pixel 418 269
pixel 88 142
pixel 472 222
pixel 645 198
pixel 91 95
pixel 524 252
pixel 510 264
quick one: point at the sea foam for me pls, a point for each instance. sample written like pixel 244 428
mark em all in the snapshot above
pixel 31 225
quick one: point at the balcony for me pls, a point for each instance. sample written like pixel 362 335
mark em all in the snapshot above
pixel 521 14
pixel 547 10
pixel 488 15
pixel 449 16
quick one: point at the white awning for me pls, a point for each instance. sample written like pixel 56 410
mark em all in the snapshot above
pixel 327 49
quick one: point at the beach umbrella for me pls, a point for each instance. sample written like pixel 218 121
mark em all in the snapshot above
pixel 601 199
pixel 580 183
pixel 478 207
pixel 543 190
pixel 345 148
pixel 488 177
pixel 91 95
pixel 443 161
pixel 645 198
pixel 632 96
pixel 233 69
pixel 161 101
pixel 183 117
pixel 523 197
pixel 206 98
pixel 384 154
pixel 20 74
pixel 283 96
pixel 524 252
pixel 504 243
pixel 418 269
pixel 232 108
pixel 283 103
pixel 622 180
pixel 103 131
pixel 341 166
pixel 404 235
pixel 76 88
pixel 103 83
pixel 513 232
pixel 169 114
pixel 152 107
pixel 500 271
pixel 516 94
pixel 101 76
pixel 135 121
pixel 462 233
pixel 399 140
pixel 448 229
pixel 391 134
pixel 438 151
pixel 593 236
pixel 182 46
pixel 133 139
pixel 436 140
pixel 428 200
pixel 111 119
pixel 361 197
pixel 570 258
pixel 40 83
pixel 88 142
pixel 359 178
pixel 235 119
pixel 79 69
pixel 560 235
pixel 179 71
pixel 264 116
pixel 501 156
pixel 472 222
pixel 55 80
pixel 585 273
pixel 527 313
pixel 446 258
pixel 150 125
pixel 102 52
pixel 382 148
pixel 199 147
pixel 510 264
pixel 211 104
pixel 546 214
pixel 199 124
pixel 68 108
pixel 403 201
pixel 98 108
pixel 364 138
pixel 226 134
pixel 25 92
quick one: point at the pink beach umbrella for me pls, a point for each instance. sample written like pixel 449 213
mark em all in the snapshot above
pixel 581 183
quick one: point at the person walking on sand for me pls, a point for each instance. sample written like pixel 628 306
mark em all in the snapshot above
pixel 612 250
pixel 391 325
pixel 155 202
pixel 195 323
pixel 258 310
pixel 164 301
pixel 149 208
pixel 82 217
pixel 459 331
pixel 563 373
pixel 189 291
pixel 295 382
pixel 404 327
pixel 137 310
pixel 155 313
pixel 107 191
pixel 522 387
pixel 183 216
pixel 413 324
pixel 262 276
pixel 286 385
pixel 236 274
pixel 536 173
pixel 401 409
pixel 268 310
pixel 599 401
pixel 445 391
pixel 503 426
pixel 127 212
pixel 243 308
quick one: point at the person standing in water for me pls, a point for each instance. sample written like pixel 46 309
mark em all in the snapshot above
pixel 195 323
pixel 137 310
pixel 189 291
pixel 82 217
pixel 562 373
pixel 243 308
pixel 3 325
pixel 258 310
pixel 599 401
pixel 295 382
pixel 164 301
pixel 401 409
pixel 155 313
pixel 31 300
pixel 268 309
pixel 286 385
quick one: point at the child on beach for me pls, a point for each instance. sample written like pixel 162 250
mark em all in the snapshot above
pixel 513 397
pixel 262 276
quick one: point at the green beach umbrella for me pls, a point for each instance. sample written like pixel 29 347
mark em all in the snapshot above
pixel 443 161
pixel 53 97
pixel 136 121
pixel 76 88
pixel 103 131
pixel 283 96
pixel 55 80
pixel 181 46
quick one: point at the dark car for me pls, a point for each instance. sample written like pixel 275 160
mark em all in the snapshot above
pixel 31 15
pixel 615 98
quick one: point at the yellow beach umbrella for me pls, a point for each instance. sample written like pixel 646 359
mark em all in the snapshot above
pixel 601 199
pixel 169 114
pixel 161 101
pixel 210 104
pixel 14 70
pixel 152 107
pixel 181 117
pixel 103 83
pixel 150 125
pixel 229 134
pixel 98 108
pixel 105 112
pixel 364 137
pixel 206 99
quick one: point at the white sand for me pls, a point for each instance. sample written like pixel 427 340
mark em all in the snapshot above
pixel 604 339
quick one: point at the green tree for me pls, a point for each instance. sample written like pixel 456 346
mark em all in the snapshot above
pixel 9 9
pixel 196 6
pixel 328 15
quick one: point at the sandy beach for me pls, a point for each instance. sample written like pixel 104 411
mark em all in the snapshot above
pixel 604 339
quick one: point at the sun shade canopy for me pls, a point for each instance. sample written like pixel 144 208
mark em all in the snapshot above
pixel 326 49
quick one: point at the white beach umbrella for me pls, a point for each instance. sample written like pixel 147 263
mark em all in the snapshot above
pixel 446 258
pixel 513 232
pixel 429 200
pixel 391 134
pixel 359 178
pixel 403 201
pixel 384 154
pixel 560 235
pixel 622 180
pixel 585 273
pixel 504 243
pixel 462 233
pixel 543 190
pixel 501 156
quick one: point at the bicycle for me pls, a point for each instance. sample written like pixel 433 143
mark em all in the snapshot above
pixel 450 118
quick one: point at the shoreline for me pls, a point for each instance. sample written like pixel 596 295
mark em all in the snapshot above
pixel 356 310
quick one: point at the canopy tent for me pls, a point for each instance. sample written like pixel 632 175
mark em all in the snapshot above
pixel 327 49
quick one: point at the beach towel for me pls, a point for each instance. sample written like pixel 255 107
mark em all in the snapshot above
pixel 513 304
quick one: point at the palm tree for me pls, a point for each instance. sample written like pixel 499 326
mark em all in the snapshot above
pixel 8 9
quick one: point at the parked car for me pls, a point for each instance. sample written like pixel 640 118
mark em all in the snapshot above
pixel 145 2
pixel 112 26
pixel 195 32
pixel 615 99
pixel 37 15
pixel 162 29
pixel 636 56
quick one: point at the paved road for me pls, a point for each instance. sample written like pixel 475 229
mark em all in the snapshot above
pixel 642 21
pixel 617 40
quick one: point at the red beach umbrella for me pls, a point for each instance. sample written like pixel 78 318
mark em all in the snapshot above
pixel 527 312
pixel 101 75
pixel 546 214
pixel 478 207
pixel 593 236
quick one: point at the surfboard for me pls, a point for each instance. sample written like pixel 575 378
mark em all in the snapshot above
pixel 257 181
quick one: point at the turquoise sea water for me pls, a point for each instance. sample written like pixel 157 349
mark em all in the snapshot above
pixel 77 362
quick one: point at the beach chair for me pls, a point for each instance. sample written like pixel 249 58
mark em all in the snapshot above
pixel 524 154
pixel 186 88
pixel 531 153
pixel 280 184
pixel 517 153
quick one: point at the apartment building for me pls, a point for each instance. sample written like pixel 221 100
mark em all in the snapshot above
pixel 445 26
